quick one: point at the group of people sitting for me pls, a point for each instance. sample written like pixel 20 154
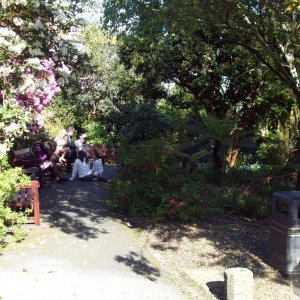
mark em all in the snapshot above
pixel 63 150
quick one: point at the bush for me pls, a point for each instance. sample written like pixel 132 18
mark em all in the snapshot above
pixel 190 201
pixel 248 190
pixel 145 122
pixel 150 182
pixel 10 221
pixel 278 147
pixel 97 134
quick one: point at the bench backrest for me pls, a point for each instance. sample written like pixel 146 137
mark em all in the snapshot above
pixel 24 154
pixel 25 158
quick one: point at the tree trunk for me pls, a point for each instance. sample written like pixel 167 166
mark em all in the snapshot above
pixel 297 185
pixel 232 156
pixel 217 161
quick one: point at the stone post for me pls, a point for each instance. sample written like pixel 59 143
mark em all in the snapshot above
pixel 239 284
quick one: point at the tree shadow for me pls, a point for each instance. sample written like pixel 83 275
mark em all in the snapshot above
pixel 224 241
pixel 139 264
pixel 75 207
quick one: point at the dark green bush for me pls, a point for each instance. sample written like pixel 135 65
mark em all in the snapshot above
pixel 151 182
pixel 9 220
pixel 144 122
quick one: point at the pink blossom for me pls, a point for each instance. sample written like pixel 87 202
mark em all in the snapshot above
pixel 46 102
pixel 39 108
pixel 51 114
pixel 40 120
pixel 36 101
pixel 48 64
pixel 49 72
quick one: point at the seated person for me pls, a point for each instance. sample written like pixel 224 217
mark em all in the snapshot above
pixel 49 148
pixel 44 153
pixel 98 167
pixel 61 149
pixel 82 168
pixel 81 144
pixel 71 144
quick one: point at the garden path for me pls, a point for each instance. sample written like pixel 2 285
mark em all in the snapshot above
pixel 81 251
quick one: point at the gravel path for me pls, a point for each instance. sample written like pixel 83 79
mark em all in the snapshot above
pixel 216 243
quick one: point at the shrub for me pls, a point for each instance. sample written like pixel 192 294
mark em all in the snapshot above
pixel 145 122
pixel 190 201
pixel 97 134
pixel 149 176
pixel 247 190
pixel 10 221
pixel 152 182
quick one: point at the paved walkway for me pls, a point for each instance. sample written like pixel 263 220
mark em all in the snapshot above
pixel 81 252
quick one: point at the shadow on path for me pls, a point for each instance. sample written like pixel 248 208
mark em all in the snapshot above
pixel 76 207
pixel 139 264
pixel 79 209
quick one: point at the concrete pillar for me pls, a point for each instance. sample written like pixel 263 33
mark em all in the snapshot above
pixel 239 284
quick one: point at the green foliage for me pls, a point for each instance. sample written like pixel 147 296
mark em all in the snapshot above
pixel 278 146
pixel 218 129
pixel 30 139
pixel 188 203
pixel 97 134
pixel 10 220
pixel 144 121
pixel 193 158
pixel 152 182
pixel 195 61
pixel 149 178
pixel 186 55
pixel 243 190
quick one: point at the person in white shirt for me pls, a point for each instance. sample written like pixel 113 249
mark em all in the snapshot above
pixel 98 167
pixel 82 168
pixel 61 150
pixel 81 144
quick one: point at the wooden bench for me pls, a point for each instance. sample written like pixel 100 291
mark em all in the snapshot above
pixel 28 197
pixel 25 158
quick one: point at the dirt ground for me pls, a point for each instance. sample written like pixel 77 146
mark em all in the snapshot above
pixel 215 243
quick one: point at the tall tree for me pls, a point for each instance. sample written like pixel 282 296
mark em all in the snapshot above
pixel 204 46
pixel 207 49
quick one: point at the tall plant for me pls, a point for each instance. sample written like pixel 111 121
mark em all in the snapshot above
pixel 35 61
pixel 34 57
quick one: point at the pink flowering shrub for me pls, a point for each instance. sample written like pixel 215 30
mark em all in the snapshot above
pixel 34 57
pixel 37 92
pixel 30 42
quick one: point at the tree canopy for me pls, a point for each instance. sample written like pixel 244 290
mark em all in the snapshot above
pixel 221 53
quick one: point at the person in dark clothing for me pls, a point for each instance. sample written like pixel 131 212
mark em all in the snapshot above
pixel 44 153
pixel 72 148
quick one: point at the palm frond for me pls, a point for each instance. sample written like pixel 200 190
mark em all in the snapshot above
pixel 193 157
